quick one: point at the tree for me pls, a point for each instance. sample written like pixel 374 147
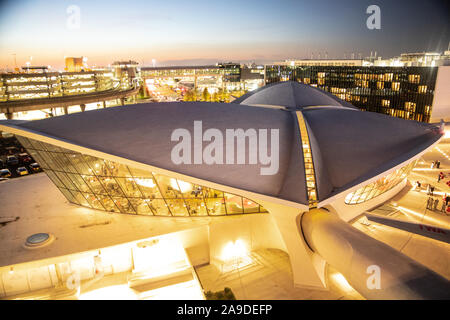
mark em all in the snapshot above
pixel 189 96
pixel 205 95
pixel 220 96
pixel 225 294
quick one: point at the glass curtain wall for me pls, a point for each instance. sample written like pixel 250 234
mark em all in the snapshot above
pixel 402 92
pixel 105 185
pixel 380 186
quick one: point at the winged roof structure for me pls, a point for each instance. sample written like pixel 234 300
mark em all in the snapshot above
pixel 348 146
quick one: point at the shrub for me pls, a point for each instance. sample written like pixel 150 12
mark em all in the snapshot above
pixel 225 294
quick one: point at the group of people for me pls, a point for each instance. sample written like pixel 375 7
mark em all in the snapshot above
pixel 436 164
pixel 432 204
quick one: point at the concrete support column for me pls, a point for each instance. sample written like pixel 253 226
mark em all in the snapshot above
pixel 308 268
pixel 66 110
pixel 82 107
pixel 104 104
pixel 374 269
pixel 122 101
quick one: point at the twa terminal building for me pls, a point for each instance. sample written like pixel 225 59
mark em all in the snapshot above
pixel 325 163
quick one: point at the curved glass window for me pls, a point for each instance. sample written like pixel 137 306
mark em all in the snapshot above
pixel 105 185
pixel 380 186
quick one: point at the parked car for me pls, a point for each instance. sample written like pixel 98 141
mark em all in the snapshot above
pixel 3 179
pixel 25 158
pixel 35 167
pixel 22 171
pixel 5 173
pixel 12 150
pixel 12 161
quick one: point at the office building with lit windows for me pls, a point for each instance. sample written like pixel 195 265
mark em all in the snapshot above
pixel 332 158
pixel 407 92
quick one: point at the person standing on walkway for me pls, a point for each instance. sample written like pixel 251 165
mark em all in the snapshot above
pixel 430 190
pixel 432 165
pixel 439 177
pixel 438 164
pixel 429 203
pixel 435 204
pixel 443 207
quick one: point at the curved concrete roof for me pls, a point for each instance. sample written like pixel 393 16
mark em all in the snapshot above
pixel 348 146
pixel 291 94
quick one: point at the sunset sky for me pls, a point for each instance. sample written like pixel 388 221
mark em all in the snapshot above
pixel 195 32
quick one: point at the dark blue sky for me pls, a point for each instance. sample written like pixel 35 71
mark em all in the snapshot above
pixel 190 31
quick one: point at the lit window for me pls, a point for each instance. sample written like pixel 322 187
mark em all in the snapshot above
pixel 105 185
pixel 422 89
pixel 380 85
pixel 410 107
pixel 309 165
pixel 380 186
pixel 414 78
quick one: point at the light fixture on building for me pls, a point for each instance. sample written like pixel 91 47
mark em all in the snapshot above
pixel 234 250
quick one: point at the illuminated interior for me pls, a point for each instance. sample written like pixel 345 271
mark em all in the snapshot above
pixel 154 268
pixel 380 186
pixel 105 185
pixel 309 166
